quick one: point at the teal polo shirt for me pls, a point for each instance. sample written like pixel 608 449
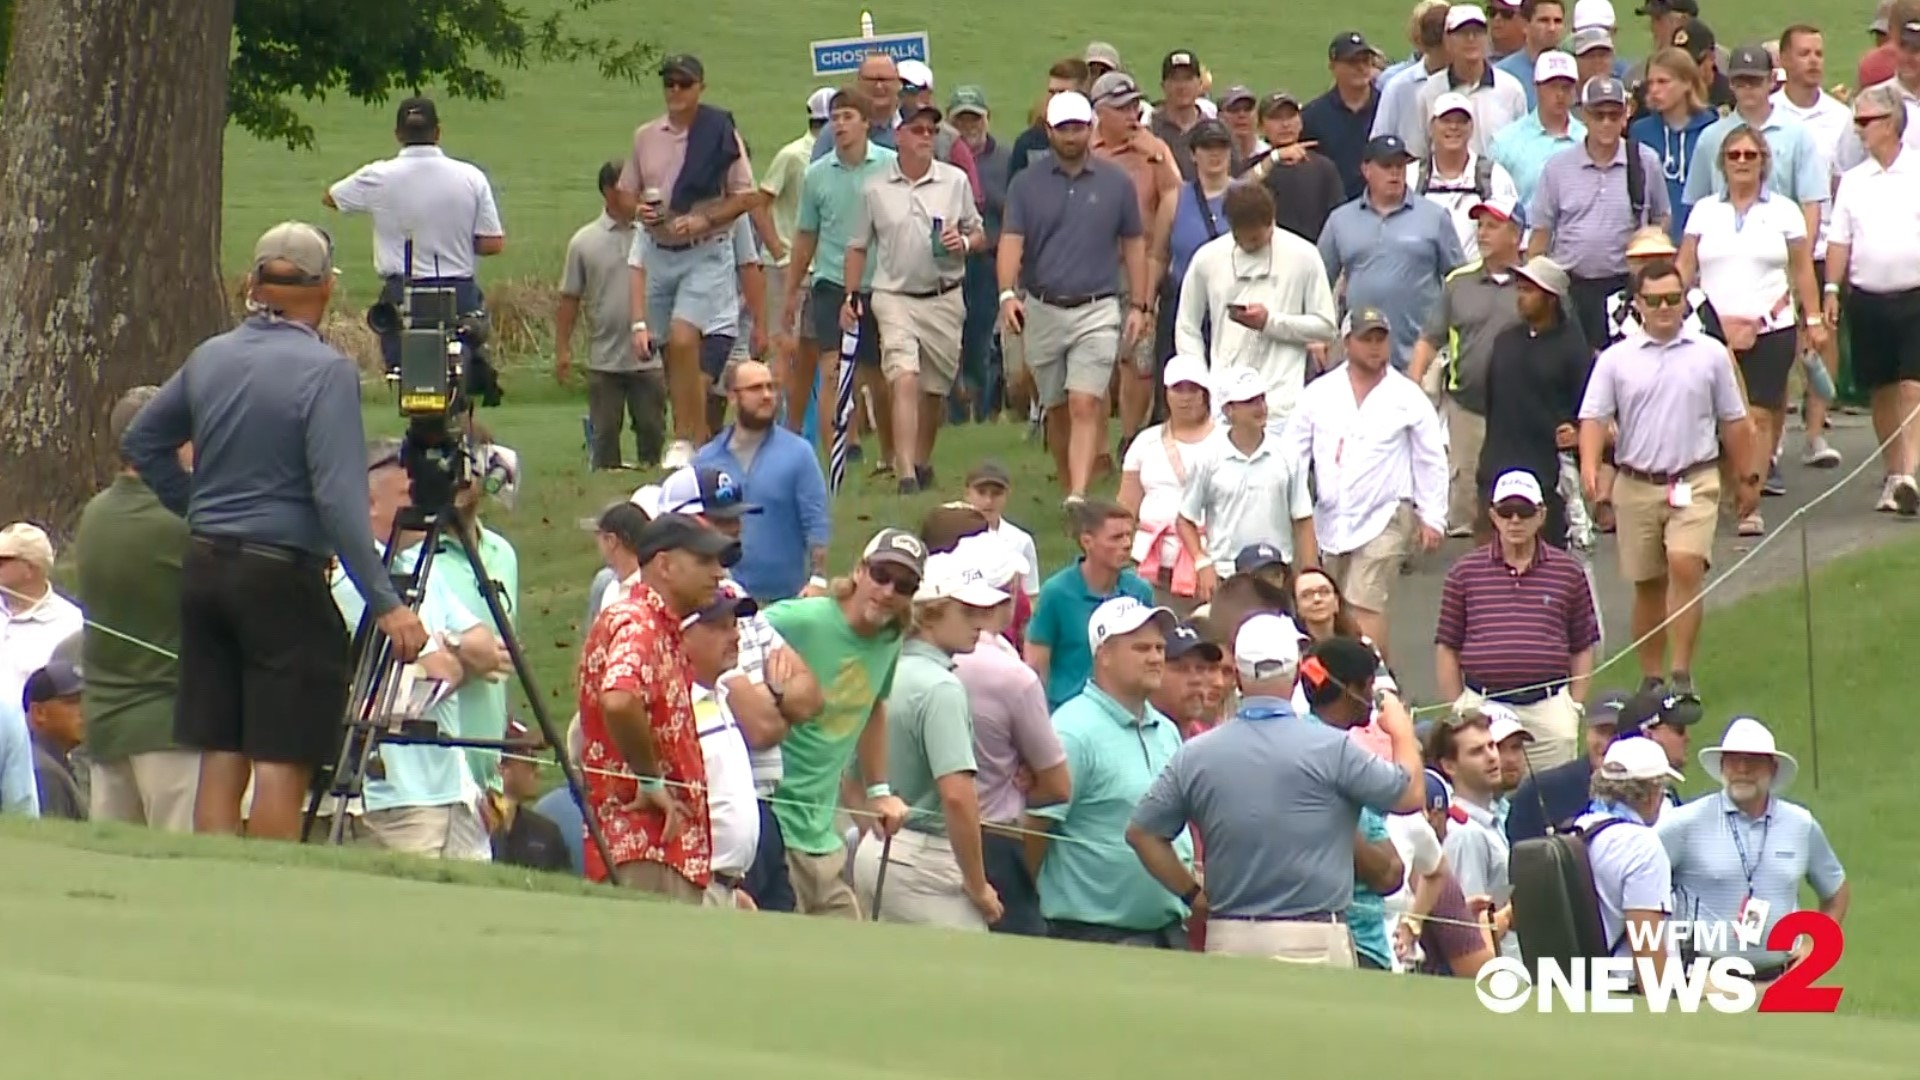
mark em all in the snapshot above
pixel 1523 147
pixel 482 705
pixel 1367 913
pixel 829 201
pixel 1090 874
pixel 1061 613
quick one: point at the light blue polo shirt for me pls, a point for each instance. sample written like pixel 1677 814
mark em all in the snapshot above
pixel 420 775
pixel 482 705
pixel 1796 171
pixel 829 202
pixel 1523 147
pixel 1716 850
pixel 1061 612
pixel 1091 874
pixel 1631 872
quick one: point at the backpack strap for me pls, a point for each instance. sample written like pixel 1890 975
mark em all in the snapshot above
pixel 1587 837
pixel 1636 183
pixel 1483 177
pixel 1423 177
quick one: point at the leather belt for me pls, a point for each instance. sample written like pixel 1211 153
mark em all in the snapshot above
pixel 945 288
pixel 1068 302
pixel 233 545
pixel 1329 917
pixel 1662 479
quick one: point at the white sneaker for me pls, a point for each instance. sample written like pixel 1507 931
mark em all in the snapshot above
pixel 1886 505
pixel 1819 455
pixel 1906 496
pixel 678 456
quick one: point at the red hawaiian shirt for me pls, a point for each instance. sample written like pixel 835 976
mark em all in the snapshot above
pixel 634 646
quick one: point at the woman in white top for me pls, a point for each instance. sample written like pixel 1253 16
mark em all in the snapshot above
pixel 1154 474
pixel 1748 251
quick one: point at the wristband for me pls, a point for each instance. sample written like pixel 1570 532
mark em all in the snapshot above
pixel 639 325
pixel 1008 294
pixel 817 582
pixel 879 791
pixel 651 784
pixel 1832 289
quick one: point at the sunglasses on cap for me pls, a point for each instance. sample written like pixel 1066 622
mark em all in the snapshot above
pixel 903 581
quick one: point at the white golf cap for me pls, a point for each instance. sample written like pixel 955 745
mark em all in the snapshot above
pixel 820 104
pixel 1745 735
pixel 1449 102
pixel 1124 615
pixel 1588 14
pixel 994 556
pixel 916 73
pixel 949 577
pixel 1267 645
pixel 1637 757
pixel 1238 384
pixel 1554 64
pixel 1460 15
pixel 647 498
pixel 1187 369
pixel 1071 107
pixel 1518 484
pixel 1497 207
pixel 1502 724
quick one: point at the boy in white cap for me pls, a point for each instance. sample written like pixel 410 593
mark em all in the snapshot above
pixel 1246 491
pixel 37 617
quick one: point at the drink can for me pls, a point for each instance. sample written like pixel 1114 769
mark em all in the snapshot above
pixel 939 227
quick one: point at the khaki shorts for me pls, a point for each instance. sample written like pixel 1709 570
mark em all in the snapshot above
pixel 924 884
pixel 820 885
pixel 1553 722
pixel 453 831
pixel 1367 573
pixel 921 336
pixel 659 879
pixel 1071 350
pixel 1319 944
pixel 156 789
pixel 1648 531
pixel 1141 355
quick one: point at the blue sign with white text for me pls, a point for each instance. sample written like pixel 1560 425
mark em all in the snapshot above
pixel 843 55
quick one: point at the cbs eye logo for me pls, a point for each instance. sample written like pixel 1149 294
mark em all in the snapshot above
pixel 1503 985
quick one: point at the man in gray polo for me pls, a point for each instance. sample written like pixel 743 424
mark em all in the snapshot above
pixel 1276 798
pixel 1066 219
pixel 918 218
pixel 1394 247
pixel 1476 304
pixel 618 379
pixel 1590 200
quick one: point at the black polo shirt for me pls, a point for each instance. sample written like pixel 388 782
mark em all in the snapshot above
pixel 1304 194
pixel 1534 384
pixel 1340 133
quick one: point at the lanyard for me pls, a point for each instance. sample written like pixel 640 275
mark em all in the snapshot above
pixel 1738 829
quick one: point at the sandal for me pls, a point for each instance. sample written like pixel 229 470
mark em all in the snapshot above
pixel 1752 525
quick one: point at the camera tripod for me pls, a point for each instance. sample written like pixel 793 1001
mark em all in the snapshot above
pixel 436 466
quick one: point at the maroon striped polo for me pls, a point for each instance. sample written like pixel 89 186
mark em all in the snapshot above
pixel 1514 628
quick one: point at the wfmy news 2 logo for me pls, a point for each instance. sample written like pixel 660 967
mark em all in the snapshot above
pixel 1713 982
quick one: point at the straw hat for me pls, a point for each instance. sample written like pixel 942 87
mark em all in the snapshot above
pixel 1651 242
pixel 1745 735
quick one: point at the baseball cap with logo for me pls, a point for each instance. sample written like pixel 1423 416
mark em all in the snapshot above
pixel 1603 90
pixel 1257 557
pixel 1554 64
pixel 1279 99
pixel 1696 38
pixel 1385 150
pixel 418 113
pixel 1123 615
pixel 1367 320
pixel 704 491
pixel 1181 368
pixel 1590 39
pixel 996 557
pixel 1099 52
pixel 1349 45
pixel 989 473
pixel 685 65
pixel 728 599
pixel 57 681
pixel 1653 706
pixel 820 104
pixel 915 75
pixel 950 576
pixel 899 547
pixel 1241 384
pixel 1750 61
pixel 1210 132
pixel 1116 89
pixel 1186 640
pixel 1464 15
pixel 968 100
pixel 1518 484
pixel 28 543
pixel 1179 60
pixel 1450 102
pixel 1237 96
pixel 306 248
pixel 1544 274
pixel 1497 207
pixel 1637 759
pixel 1502 723
pixel 1071 107
pixel 1267 646
pixel 1605 710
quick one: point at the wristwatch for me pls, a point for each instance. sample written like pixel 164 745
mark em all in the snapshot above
pixel 639 325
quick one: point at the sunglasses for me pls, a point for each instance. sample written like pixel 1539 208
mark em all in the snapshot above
pixel 904 582
pixel 1518 511
pixel 1663 300
pixel 1744 155
pixel 1865 121
pixel 677 82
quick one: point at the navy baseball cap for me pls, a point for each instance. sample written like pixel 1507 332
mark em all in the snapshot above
pixel 1186 640
pixel 704 491
pixel 1652 706
pixel 1382 149
pixel 1606 708
pixel 1256 557
pixel 59 679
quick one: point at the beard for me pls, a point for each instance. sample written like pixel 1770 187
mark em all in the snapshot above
pixel 1743 790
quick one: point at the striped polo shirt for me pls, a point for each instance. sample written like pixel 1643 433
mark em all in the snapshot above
pixel 1514 628
pixel 1715 850
pixel 1587 210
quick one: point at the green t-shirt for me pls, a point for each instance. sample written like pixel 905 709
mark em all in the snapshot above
pixel 482 705
pixel 854 673
pixel 130 550
pixel 929 733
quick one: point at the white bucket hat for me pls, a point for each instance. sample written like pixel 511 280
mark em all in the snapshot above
pixel 1745 735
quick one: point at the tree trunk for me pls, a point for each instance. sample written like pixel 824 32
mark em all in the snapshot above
pixel 110 157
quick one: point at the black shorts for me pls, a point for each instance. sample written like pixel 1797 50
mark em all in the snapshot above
pixel 714 350
pixel 263 654
pixel 827 297
pixel 1884 330
pixel 1766 366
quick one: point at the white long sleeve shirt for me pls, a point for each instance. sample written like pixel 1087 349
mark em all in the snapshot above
pixel 1289 279
pixel 1368 457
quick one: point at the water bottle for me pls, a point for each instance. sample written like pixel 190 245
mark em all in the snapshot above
pixel 939 245
pixel 655 202
pixel 1819 383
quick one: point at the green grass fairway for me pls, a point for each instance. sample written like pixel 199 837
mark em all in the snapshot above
pixel 543 144
pixel 206 968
